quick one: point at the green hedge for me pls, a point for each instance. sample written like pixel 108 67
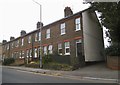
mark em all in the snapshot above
pixel 57 66
pixel 46 59
pixel 8 61
pixel 113 50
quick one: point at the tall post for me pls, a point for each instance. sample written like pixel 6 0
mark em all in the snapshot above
pixel 41 33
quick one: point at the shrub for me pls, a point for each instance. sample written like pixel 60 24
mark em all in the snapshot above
pixel 33 65
pixel 8 61
pixel 46 59
pixel 113 50
pixel 57 66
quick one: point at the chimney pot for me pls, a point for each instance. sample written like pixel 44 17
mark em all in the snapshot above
pixel 39 25
pixel 23 32
pixel 4 41
pixel 12 38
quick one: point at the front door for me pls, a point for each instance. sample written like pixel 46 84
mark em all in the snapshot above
pixel 79 53
pixel 79 50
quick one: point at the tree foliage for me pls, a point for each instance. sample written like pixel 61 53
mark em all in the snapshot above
pixel 110 18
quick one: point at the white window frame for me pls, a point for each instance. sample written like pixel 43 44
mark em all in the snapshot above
pixel 12 44
pixel 67 47
pixel 20 54
pixel 17 43
pixel 59 48
pixel 62 29
pixel 36 37
pixel 39 36
pixel 78 41
pixel 30 53
pixel 45 50
pixel 48 33
pixel 8 47
pixel 22 41
pixel 29 39
pixel 77 24
pixel 50 49
pixel 35 52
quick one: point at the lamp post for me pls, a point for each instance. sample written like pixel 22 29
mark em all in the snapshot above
pixel 40 52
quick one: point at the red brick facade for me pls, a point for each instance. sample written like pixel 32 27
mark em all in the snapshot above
pixel 68 32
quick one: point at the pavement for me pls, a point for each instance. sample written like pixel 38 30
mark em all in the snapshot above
pixel 98 72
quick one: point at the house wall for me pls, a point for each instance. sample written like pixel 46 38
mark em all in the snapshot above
pixel 93 37
pixel 0 51
pixel 90 36
pixel 71 36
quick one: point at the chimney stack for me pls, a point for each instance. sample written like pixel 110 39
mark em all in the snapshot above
pixel 39 25
pixel 67 12
pixel 23 32
pixel 4 41
pixel 12 38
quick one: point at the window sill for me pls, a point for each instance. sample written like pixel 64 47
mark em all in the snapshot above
pixel 48 38
pixel 60 54
pixel 67 54
pixel 78 30
pixel 62 34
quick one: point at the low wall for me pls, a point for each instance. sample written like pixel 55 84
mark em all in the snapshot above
pixel 113 62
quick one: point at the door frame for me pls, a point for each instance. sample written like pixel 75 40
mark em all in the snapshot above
pixel 77 41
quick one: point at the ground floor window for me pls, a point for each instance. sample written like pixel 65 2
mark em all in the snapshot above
pixel 30 53
pixel 35 53
pixel 50 51
pixel 60 48
pixel 45 50
pixel 20 54
pixel 67 48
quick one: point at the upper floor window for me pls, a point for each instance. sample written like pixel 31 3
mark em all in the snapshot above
pixel 17 43
pixel 12 44
pixel 8 47
pixel 36 36
pixel 29 39
pixel 50 51
pixel 22 41
pixel 77 24
pixel 39 36
pixel 48 33
pixel 62 28
pixel 67 48
pixel 60 48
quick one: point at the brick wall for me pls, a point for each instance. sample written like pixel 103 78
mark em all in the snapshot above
pixel 113 62
pixel 55 37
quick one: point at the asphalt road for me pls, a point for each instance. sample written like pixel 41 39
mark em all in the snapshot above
pixel 17 76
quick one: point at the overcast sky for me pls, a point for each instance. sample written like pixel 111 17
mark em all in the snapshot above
pixel 17 15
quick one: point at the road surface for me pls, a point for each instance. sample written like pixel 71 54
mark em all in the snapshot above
pixel 17 76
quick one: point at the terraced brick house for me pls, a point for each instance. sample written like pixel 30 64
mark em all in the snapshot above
pixel 78 38
pixel 0 52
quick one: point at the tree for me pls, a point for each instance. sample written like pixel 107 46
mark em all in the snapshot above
pixel 110 18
